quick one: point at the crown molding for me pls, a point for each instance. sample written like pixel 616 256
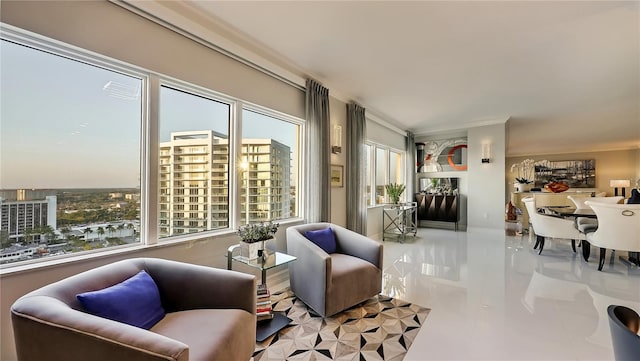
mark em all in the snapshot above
pixel 444 128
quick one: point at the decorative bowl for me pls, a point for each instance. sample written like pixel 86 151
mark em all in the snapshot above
pixel 556 187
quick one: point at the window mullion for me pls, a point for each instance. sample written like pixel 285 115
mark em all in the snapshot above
pixel 150 163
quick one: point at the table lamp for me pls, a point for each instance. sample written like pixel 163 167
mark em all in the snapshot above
pixel 620 183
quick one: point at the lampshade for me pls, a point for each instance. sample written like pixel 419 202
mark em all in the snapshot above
pixel 619 183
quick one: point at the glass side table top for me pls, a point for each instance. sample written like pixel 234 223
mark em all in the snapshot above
pixel 269 260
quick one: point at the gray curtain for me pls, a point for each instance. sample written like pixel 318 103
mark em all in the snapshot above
pixel 410 183
pixel 355 173
pixel 317 181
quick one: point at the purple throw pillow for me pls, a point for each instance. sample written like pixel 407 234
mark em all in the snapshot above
pixel 324 238
pixel 134 301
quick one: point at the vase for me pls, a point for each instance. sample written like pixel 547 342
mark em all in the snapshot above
pixel 251 251
pixel 523 187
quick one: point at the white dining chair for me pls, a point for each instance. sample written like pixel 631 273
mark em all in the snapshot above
pixel 545 225
pixel 587 225
pixel 580 202
pixel 618 228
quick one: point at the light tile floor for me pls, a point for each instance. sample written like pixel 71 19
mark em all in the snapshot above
pixel 494 298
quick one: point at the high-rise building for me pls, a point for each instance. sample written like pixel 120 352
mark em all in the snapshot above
pixel 194 181
pixel 22 210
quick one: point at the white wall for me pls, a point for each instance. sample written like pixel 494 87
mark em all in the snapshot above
pixel 380 134
pixel 338 116
pixel 485 206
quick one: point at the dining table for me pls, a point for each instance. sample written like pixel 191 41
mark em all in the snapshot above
pixel 568 211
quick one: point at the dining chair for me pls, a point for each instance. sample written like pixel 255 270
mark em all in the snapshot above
pixel 547 225
pixel 580 202
pixel 588 225
pixel 618 228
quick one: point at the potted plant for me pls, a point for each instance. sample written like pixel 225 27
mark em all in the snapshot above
pixel 394 190
pixel 525 174
pixel 253 236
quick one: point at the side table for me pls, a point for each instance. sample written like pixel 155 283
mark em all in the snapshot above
pixel 399 220
pixel 271 259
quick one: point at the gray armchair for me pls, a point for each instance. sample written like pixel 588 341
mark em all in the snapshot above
pixel 210 315
pixel 330 283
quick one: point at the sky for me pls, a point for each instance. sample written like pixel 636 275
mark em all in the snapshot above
pixel 66 124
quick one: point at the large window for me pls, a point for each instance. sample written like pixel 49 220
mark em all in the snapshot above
pixel 269 164
pixel 194 161
pixel 76 154
pixel 69 154
pixel 388 168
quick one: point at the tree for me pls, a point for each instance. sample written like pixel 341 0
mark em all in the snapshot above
pixel 111 229
pixel 66 231
pixel 75 241
pixel 5 241
pixel 100 232
pixel 120 228
pixel 27 236
pixel 86 232
pixel 48 232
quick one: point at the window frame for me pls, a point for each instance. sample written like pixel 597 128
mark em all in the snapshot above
pixel 150 147
pixel 373 147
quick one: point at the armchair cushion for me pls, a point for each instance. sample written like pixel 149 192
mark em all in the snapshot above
pixel 134 301
pixel 324 238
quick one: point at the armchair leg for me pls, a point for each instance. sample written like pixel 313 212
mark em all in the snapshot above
pixel 541 244
pixel 573 245
pixel 603 253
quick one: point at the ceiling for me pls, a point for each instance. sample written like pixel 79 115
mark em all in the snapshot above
pixel 566 74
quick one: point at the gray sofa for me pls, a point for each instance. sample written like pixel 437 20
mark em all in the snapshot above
pixel 210 315
pixel 330 283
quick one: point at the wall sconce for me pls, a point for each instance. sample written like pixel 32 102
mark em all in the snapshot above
pixel 486 152
pixel 620 183
pixel 336 141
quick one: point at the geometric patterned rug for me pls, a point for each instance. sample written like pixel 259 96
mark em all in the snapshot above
pixel 381 328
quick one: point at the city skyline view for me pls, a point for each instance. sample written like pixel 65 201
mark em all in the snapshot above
pixel 72 139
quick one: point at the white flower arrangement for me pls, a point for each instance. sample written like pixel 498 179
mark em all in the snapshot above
pixel 526 171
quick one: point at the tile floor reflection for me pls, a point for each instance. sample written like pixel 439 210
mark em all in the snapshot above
pixel 493 298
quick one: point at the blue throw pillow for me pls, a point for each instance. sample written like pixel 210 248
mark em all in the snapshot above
pixel 324 238
pixel 134 301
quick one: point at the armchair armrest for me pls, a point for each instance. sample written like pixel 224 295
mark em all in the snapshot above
pixel 186 286
pixel 90 337
pixel 357 245
pixel 311 272
pixel 551 226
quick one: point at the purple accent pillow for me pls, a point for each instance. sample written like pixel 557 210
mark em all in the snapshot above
pixel 324 238
pixel 134 301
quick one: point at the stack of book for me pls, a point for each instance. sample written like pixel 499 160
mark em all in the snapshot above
pixel 263 303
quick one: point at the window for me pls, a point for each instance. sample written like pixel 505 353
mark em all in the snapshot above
pixel 388 168
pixel 74 148
pixel 270 167
pixel 69 154
pixel 194 143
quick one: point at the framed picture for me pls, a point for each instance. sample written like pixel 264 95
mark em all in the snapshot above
pixel 337 176
pixel 575 173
